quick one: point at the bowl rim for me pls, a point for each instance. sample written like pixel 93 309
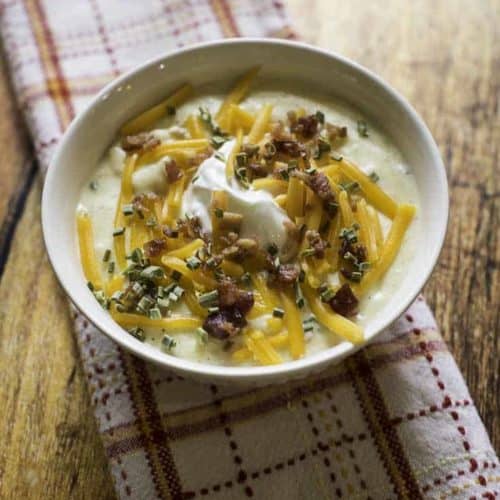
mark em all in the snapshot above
pixel 292 368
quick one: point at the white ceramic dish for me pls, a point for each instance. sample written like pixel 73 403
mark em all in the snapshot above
pixel 93 130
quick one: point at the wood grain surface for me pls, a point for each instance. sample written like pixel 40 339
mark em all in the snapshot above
pixel 444 57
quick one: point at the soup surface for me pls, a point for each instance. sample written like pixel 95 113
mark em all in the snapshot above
pixel 253 227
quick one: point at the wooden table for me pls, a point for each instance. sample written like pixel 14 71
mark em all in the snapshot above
pixel 444 57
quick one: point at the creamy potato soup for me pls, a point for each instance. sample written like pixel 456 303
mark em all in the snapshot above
pixel 253 227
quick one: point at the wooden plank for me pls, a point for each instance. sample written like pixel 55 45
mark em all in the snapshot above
pixel 448 70
pixel 17 170
pixel 49 444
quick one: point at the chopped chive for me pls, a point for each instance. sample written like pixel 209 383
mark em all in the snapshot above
pixel 349 186
pixel 302 276
pixel 208 299
pixel 154 313
pixel 213 310
pixel 151 222
pixel 164 303
pixel 284 175
pixel 292 165
pixel 111 268
pixel 308 328
pixel 320 116
pixel 178 290
pixel 363 266
pixel 195 178
pixel 356 276
pixel 327 295
pixel 269 150
pixel 241 159
pixel 137 256
pixel 323 147
pixel 107 255
pixel 278 312
pixel 374 177
pixel 212 263
pixel 138 333
pixel 176 275
pixel 246 279
pixel 94 185
pixel 219 156
pixel 90 286
pixel 202 335
pixel 168 342
pixel 101 298
pixel 145 304
pixel 310 171
pixel 219 213
pixel 193 263
pixel 118 231
pixel 170 111
pixel 218 141
pixel 128 209
pixel 336 156
pixel 152 272
pixel 299 298
pixel 137 289
pixel 362 128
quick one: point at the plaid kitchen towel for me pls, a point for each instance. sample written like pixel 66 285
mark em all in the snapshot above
pixel 394 421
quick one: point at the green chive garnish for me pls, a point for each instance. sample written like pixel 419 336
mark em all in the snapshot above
pixel 128 209
pixel 107 255
pixel 278 312
pixel 168 342
pixel 118 231
pixel 138 333
pixel 208 299
pixel 362 128
pixel 202 335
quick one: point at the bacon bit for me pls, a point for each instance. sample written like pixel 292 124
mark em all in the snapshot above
pixel 224 323
pixel 284 276
pixel 143 203
pixel 230 318
pixel 155 247
pixel 230 296
pixel 318 244
pixel 140 142
pixel 292 243
pixel 256 170
pixel 190 227
pixel 172 171
pixel 335 132
pixel 320 184
pixel 344 302
pixel 306 126
pixel 358 250
pixel 290 148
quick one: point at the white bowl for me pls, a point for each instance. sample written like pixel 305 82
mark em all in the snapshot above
pixel 92 131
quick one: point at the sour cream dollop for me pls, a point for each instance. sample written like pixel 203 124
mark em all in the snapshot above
pixel 263 219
